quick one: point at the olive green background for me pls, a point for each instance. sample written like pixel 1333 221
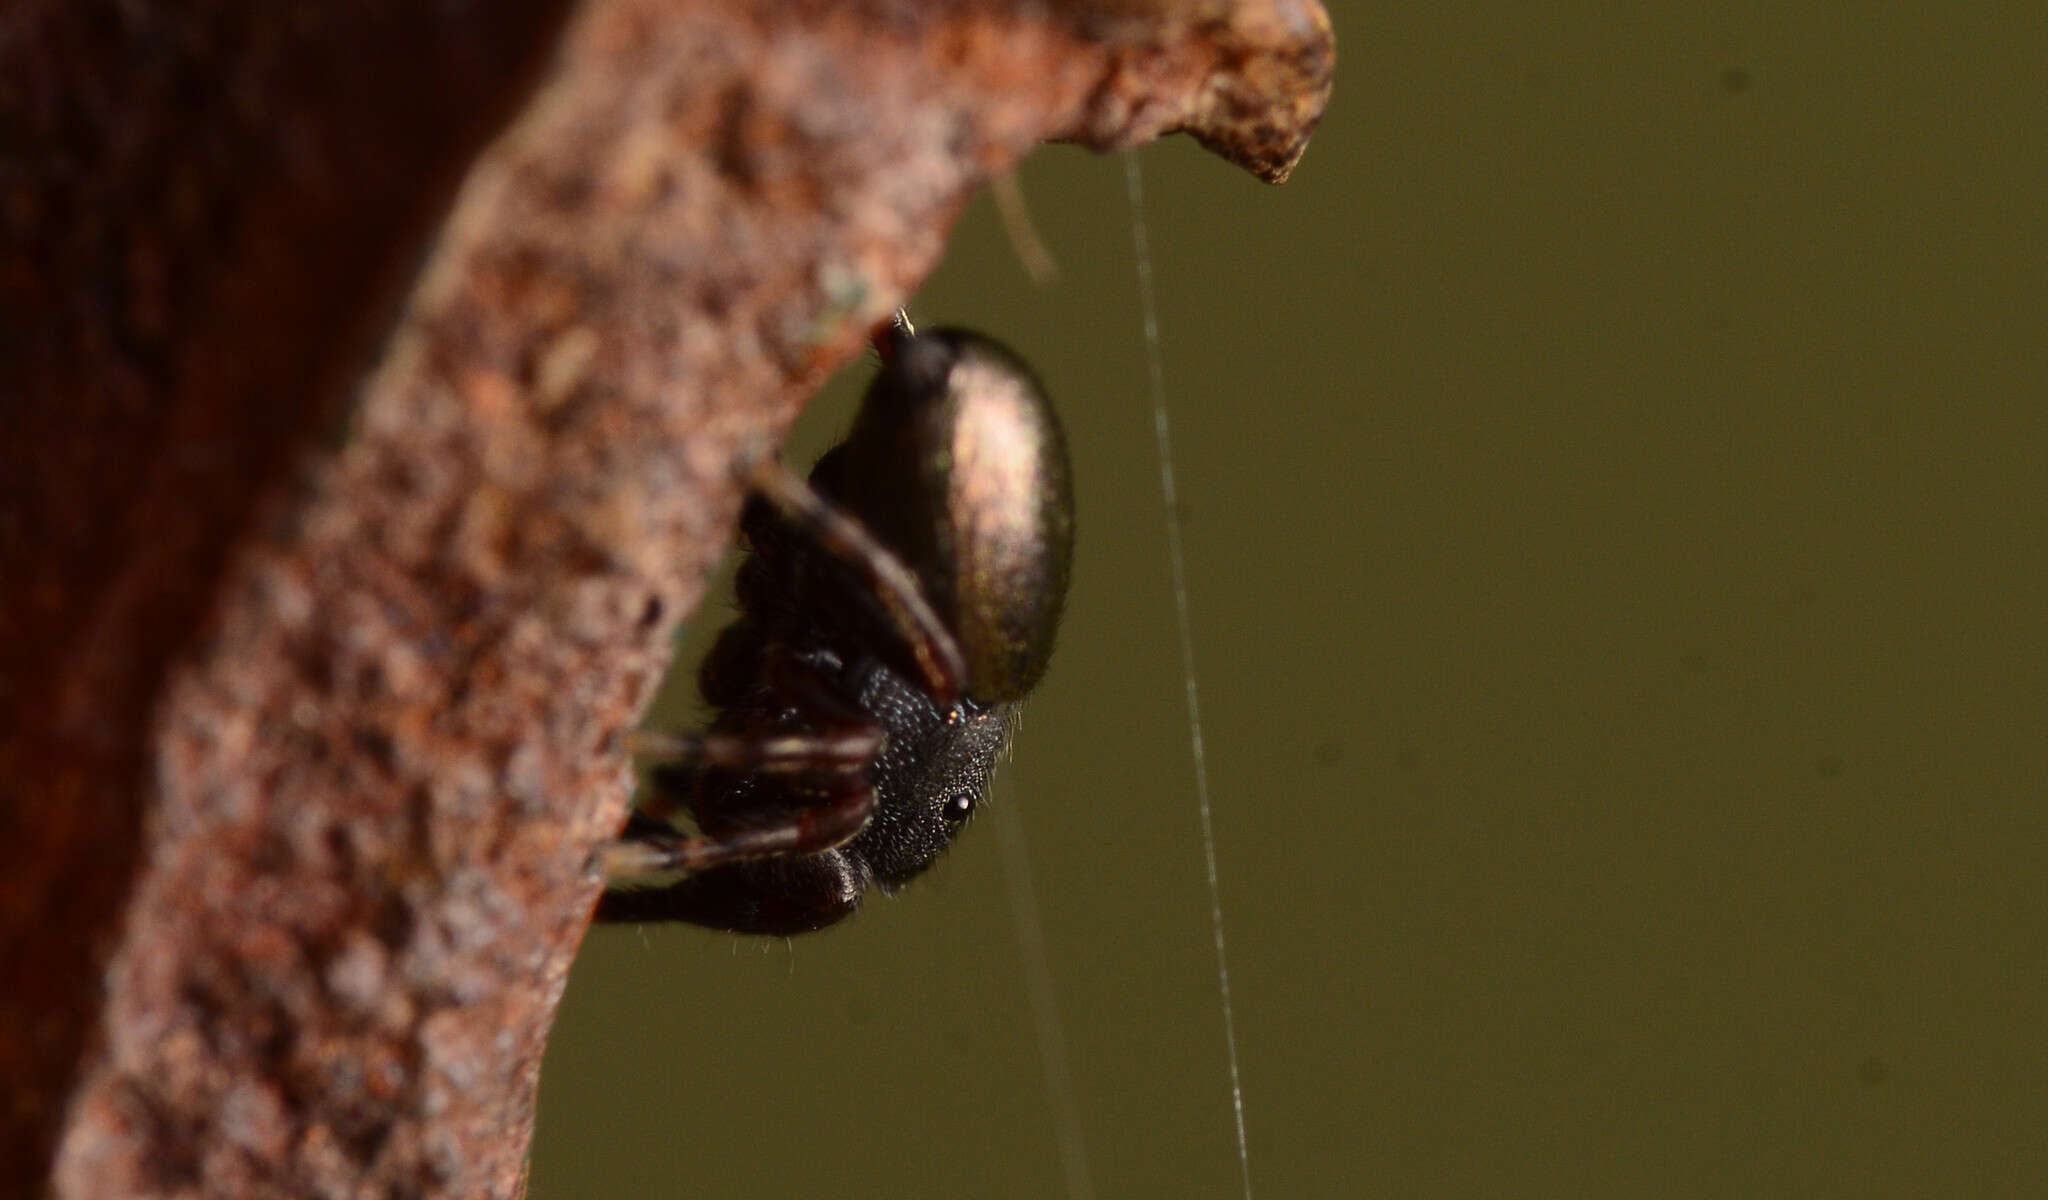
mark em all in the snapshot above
pixel 1614 497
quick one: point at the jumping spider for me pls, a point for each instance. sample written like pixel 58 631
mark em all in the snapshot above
pixel 894 611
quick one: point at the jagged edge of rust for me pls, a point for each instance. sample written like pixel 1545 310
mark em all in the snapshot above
pixel 380 772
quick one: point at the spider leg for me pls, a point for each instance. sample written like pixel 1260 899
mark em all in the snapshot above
pixel 810 830
pixel 794 754
pixel 846 751
pixel 846 745
pixel 777 897
pixel 931 644
pixel 832 760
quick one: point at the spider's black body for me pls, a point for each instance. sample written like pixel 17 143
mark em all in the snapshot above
pixel 893 613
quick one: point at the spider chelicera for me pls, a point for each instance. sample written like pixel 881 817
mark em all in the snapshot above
pixel 893 612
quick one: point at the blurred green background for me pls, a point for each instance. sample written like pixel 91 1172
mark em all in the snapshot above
pixel 1614 497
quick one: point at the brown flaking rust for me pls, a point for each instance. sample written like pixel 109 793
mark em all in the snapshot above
pixel 356 685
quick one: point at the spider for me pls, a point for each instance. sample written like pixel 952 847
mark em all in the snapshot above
pixel 893 612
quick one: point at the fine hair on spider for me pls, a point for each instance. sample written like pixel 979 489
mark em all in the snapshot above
pixel 894 609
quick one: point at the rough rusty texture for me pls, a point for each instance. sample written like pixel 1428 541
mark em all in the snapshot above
pixel 204 209
pixel 386 741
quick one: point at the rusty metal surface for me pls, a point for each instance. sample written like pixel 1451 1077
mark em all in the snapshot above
pixel 378 765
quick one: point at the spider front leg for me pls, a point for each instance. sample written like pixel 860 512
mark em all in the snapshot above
pixel 848 741
pixel 651 847
pixel 827 766
pixel 931 645
pixel 777 866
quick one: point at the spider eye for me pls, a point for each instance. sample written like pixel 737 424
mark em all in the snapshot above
pixel 959 806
